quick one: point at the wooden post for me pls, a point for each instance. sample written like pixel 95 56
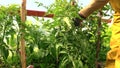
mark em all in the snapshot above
pixel 98 42
pixel 22 41
pixel 73 2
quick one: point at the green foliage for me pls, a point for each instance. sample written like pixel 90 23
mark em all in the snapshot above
pixel 9 34
pixel 52 43
pixel 62 45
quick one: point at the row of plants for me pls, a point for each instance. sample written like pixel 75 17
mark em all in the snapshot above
pixel 9 36
pixel 52 43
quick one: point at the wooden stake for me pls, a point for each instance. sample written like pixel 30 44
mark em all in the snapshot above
pixel 22 41
pixel 98 42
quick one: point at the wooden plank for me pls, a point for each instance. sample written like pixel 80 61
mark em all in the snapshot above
pixel 22 41
pixel 38 13
pixel 43 14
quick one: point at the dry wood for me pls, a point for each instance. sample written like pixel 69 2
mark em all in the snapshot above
pixel 22 41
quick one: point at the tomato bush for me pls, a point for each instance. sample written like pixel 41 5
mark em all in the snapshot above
pixel 52 43
pixel 9 36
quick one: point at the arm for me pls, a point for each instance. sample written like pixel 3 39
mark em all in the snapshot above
pixel 93 6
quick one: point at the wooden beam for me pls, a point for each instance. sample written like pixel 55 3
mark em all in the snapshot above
pixel 22 41
pixel 38 13
pixel 43 14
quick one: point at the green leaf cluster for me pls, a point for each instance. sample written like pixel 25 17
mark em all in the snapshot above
pixel 52 43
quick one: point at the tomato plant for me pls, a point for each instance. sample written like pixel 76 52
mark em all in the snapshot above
pixel 52 43
pixel 62 45
pixel 9 35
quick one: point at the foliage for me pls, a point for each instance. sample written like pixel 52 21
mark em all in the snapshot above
pixel 62 45
pixel 52 43
pixel 9 35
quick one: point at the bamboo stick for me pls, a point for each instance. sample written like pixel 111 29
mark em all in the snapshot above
pixel 22 41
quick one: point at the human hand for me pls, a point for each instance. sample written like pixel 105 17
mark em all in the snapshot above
pixel 30 66
pixel 77 21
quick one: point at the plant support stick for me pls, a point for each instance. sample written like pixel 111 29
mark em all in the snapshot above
pixel 98 42
pixel 22 41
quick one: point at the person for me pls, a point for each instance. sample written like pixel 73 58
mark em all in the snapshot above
pixel 113 56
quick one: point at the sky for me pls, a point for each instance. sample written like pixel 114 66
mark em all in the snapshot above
pixel 31 5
